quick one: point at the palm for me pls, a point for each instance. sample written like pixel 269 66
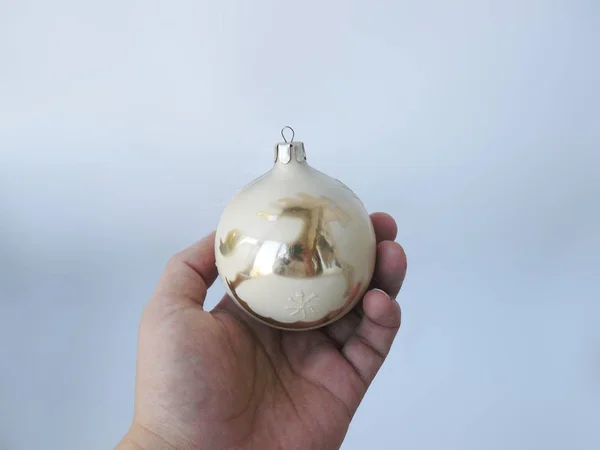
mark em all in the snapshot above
pixel 221 380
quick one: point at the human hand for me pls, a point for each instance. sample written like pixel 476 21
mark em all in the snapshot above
pixel 221 380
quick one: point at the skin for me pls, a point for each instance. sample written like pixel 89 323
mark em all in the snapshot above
pixel 220 380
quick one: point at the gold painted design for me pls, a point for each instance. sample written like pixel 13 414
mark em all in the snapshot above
pixel 313 253
pixel 300 303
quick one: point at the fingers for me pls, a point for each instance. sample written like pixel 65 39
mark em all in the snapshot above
pixel 390 268
pixel 187 277
pixel 369 345
pixel 340 330
pixel 389 273
pixel 385 226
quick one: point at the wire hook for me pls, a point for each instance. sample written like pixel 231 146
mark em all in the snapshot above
pixel 283 134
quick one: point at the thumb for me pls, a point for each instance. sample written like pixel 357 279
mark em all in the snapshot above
pixel 186 278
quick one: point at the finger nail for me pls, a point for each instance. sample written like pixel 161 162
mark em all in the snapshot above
pixel 383 292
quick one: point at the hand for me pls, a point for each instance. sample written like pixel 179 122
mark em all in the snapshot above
pixel 220 380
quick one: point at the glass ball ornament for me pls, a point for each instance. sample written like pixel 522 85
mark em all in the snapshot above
pixel 295 248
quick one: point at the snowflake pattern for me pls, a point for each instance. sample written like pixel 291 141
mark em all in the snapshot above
pixel 300 303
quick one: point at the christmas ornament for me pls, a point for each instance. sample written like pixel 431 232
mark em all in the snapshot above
pixel 295 248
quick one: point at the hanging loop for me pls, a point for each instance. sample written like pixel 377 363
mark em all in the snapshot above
pixel 283 134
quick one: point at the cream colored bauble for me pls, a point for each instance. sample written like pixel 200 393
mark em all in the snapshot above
pixel 295 248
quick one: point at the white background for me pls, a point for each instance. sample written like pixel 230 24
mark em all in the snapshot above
pixel 126 126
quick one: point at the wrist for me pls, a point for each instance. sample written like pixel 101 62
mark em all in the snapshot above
pixel 141 438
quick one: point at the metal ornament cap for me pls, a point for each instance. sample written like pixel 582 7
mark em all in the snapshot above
pixel 295 248
pixel 286 152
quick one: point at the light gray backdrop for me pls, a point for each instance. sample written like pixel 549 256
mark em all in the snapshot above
pixel 125 127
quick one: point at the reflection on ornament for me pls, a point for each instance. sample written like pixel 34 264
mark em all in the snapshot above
pixel 294 229
pixel 311 254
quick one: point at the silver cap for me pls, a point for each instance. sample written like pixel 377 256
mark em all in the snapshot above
pixel 288 151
